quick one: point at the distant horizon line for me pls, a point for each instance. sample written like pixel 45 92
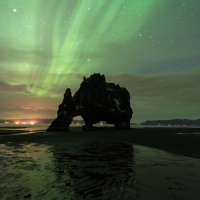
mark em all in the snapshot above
pixel 78 120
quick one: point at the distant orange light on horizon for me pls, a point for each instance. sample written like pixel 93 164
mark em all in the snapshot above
pixel 25 122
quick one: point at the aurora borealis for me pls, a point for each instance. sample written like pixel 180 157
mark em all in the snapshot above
pixel 151 47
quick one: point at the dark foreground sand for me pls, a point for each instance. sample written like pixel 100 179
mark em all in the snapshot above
pixel 101 165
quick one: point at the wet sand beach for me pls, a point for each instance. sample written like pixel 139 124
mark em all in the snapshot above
pixel 183 141
pixel 112 164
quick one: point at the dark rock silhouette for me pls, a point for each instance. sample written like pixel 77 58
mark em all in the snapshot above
pixel 96 100
pixel 66 111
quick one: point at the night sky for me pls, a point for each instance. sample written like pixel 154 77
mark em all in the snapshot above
pixel 151 47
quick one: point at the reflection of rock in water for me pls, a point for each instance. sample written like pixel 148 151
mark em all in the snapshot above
pixel 98 170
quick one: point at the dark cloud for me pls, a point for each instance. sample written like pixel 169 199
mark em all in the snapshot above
pixel 13 88
pixel 16 112
pixel 180 87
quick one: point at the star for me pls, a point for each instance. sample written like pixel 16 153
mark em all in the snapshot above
pixel 14 10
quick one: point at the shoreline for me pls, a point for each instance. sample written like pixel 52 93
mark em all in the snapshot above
pixel 12 127
pixel 10 132
pixel 182 141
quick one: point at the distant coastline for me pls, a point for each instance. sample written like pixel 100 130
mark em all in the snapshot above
pixel 171 122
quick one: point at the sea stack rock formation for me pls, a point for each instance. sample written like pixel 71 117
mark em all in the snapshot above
pixel 96 100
